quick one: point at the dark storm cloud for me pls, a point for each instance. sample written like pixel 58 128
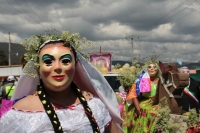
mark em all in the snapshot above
pixel 189 26
pixel 156 26
pixel 40 4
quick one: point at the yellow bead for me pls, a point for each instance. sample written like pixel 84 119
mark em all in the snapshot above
pixel 39 92
pixel 89 109
pixel 83 99
pixel 48 111
pixel 54 116
pixel 59 128
pixel 55 122
pixel 44 101
pixel 44 96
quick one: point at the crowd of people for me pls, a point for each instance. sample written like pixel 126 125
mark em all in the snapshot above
pixel 60 91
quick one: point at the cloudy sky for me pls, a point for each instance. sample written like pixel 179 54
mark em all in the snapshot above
pixel 169 29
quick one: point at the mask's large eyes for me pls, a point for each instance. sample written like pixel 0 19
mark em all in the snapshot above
pixel 47 59
pixel 66 61
pixel 48 62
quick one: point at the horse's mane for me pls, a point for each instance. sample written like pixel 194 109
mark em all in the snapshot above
pixel 169 67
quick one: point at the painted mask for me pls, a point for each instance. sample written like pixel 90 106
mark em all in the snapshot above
pixel 152 69
pixel 57 66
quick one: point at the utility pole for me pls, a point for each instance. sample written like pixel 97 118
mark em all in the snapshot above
pixel 127 38
pixel 9 51
pixel 132 49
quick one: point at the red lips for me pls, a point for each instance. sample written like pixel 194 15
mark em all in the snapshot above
pixel 58 77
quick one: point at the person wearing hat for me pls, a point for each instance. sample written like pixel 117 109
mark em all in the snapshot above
pixel 8 89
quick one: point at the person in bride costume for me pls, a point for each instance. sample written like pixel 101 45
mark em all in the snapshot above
pixel 60 91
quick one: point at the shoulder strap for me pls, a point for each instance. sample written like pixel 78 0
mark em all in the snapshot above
pixel 8 92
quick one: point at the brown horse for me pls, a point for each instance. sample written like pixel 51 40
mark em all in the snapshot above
pixel 171 86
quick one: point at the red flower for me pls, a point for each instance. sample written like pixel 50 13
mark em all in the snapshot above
pixel 131 123
pixel 153 114
pixel 135 115
pixel 144 113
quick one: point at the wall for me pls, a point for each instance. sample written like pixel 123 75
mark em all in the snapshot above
pixel 14 70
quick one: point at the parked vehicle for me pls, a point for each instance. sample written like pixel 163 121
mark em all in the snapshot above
pixel 113 81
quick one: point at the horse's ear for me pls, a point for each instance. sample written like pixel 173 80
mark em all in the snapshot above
pixel 162 67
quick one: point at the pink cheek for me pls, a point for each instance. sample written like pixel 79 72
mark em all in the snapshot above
pixel 47 73
pixel 70 70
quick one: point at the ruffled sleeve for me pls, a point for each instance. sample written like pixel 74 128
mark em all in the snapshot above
pixel 132 93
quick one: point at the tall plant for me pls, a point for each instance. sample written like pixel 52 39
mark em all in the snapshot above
pixel 127 78
pixel 163 123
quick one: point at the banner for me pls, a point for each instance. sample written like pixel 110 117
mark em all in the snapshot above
pixel 101 60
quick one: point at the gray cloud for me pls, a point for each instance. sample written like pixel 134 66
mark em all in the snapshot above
pixel 166 28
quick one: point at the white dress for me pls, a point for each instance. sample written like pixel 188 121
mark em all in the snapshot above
pixel 73 120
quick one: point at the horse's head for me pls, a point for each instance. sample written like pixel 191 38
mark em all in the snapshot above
pixel 172 84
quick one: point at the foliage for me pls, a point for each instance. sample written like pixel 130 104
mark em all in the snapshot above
pixel 127 78
pixel 33 43
pixel 3 58
pixel 163 122
pixel 85 55
pixel 193 117
pixel 117 66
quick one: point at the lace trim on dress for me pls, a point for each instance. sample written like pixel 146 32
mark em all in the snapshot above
pixel 72 121
pixel 66 107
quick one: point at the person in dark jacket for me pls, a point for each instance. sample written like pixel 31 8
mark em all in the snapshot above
pixel 191 94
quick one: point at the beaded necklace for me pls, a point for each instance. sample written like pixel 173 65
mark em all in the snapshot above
pixel 49 109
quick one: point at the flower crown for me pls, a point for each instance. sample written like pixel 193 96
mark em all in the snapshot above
pixel 154 61
pixel 35 43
